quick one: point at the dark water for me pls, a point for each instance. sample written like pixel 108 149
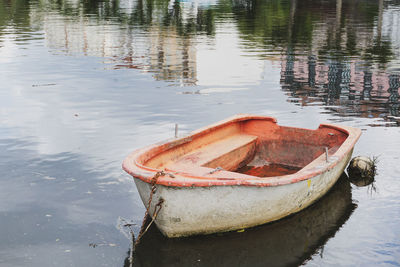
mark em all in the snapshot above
pixel 83 83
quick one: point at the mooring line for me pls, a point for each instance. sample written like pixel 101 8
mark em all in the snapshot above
pixel 157 208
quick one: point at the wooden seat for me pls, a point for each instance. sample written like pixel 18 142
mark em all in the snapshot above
pixel 227 153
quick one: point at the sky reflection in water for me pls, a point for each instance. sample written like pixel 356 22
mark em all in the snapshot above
pixel 83 83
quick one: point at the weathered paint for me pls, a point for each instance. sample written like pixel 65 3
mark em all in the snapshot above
pixel 198 201
pixel 204 210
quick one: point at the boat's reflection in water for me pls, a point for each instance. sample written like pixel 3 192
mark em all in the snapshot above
pixel 290 241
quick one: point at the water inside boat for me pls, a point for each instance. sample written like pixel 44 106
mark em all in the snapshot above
pixel 268 170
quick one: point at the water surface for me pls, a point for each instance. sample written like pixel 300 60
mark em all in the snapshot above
pixel 83 83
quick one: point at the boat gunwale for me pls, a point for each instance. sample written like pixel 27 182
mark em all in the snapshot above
pixel 182 179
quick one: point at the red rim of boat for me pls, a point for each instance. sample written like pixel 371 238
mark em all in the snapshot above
pixel 181 179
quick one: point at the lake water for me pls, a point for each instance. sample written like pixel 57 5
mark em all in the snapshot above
pixel 84 83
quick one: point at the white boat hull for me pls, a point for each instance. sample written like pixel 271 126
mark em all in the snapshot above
pixel 204 210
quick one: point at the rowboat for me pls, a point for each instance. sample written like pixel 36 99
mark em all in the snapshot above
pixel 238 173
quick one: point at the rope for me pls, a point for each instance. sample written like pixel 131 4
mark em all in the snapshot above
pixel 143 228
pixel 157 208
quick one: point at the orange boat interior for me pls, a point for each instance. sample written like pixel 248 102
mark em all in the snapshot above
pixel 251 147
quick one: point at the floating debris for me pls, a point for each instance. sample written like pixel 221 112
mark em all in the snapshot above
pixel 44 84
pixel 362 170
pixel 94 245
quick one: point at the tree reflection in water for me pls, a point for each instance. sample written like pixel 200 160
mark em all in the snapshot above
pixel 341 54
